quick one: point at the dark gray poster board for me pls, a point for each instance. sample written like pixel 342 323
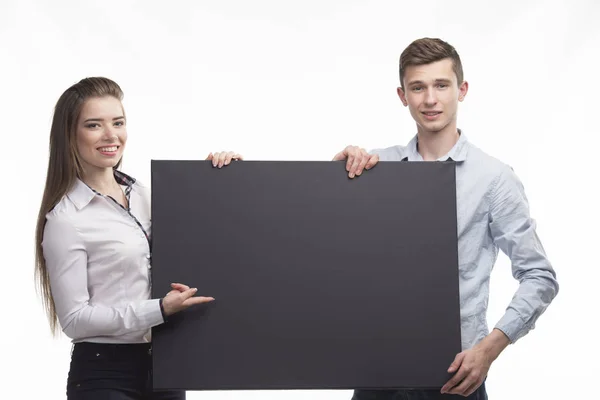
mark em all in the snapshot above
pixel 320 281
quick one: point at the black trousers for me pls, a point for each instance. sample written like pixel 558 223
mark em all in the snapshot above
pixel 114 372
pixel 479 394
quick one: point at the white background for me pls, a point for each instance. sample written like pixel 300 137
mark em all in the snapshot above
pixel 299 80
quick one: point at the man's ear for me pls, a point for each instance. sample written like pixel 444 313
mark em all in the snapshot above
pixel 462 90
pixel 402 96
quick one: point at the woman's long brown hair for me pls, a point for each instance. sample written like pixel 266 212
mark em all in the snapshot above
pixel 64 167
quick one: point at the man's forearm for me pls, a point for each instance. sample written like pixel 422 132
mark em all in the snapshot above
pixel 494 343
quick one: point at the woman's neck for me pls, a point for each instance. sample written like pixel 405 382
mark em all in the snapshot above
pixel 101 180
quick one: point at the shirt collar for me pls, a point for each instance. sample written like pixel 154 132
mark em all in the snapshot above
pixel 81 194
pixel 457 153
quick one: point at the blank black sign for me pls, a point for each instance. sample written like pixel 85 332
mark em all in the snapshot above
pixel 320 281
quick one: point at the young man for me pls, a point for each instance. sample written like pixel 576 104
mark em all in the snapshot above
pixel 492 212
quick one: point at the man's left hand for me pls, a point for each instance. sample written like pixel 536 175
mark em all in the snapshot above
pixel 471 366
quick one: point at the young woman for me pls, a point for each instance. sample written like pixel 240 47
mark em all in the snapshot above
pixel 93 246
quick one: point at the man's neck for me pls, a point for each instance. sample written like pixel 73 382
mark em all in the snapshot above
pixel 433 145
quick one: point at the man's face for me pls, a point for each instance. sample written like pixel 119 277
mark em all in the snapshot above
pixel 432 93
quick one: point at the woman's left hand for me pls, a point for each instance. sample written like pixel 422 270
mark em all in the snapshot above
pixel 222 158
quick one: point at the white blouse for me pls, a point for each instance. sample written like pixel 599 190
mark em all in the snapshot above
pixel 98 256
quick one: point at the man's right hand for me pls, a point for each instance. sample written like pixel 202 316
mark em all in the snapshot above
pixel 357 160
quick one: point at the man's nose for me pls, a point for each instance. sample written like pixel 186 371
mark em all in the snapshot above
pixel 431 97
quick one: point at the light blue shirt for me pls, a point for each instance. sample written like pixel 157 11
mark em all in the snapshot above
pixel 492 214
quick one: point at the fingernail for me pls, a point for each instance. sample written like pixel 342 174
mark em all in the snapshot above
pixel 351 175
pixel 195 289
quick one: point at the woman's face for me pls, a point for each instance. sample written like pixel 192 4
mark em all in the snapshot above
pixel 101 133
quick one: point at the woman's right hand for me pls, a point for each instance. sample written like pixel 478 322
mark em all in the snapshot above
pixel 180 298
